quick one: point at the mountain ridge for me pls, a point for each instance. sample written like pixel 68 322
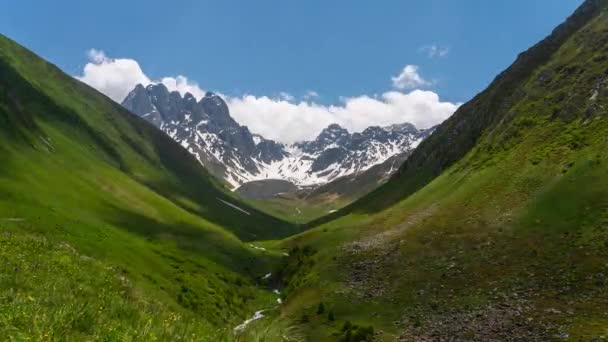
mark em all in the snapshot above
pixel 236 155
pixel 458 134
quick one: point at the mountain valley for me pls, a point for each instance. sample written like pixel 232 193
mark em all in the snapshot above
pixel 164 219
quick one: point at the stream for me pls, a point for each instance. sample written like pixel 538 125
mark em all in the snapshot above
pixel 258 314
pixel 241 327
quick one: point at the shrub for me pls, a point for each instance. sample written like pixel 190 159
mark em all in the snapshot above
pixel 354 333
pixel 347 326
pixel 320 309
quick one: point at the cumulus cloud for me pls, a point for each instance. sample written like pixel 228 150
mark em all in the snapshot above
pixel 96 56
pixel 183 85
pixel 116 77
pixel 113 77
pixel 311 94
pixel 283 118
pixel 435 51
pixel 286 96
pixel 289 122
pixel 409 78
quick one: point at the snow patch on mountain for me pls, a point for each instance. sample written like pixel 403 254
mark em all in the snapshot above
pixel 231 152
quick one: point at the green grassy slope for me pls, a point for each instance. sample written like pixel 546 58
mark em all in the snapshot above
pixel 509 242
pixel 108 228
pixel 37 93
pixel 301 208
pixel 462 131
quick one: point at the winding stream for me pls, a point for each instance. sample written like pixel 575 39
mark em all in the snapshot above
pixel 241 327
pixel 258 314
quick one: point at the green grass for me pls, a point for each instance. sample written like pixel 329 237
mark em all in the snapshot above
pixel 482 234
pixel 51 292
pixel 110 231
pixel 520 220
pixel 92 197
pixel 301 210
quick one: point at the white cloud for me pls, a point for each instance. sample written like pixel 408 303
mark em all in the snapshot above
pixel 113 77
pixel 288 122
pixel 283 119
pixel 311 94
pixel 286 96
pixel 409 78
pixel 116 77
pixel 96 56
pixel 434 51
pixel 183 85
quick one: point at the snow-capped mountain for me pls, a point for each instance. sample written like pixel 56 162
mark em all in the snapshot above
pixel 233 153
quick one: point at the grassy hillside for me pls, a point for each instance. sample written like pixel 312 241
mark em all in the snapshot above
pixel 495 229
pixel 109 229
pixel 300 207
pixel 453 139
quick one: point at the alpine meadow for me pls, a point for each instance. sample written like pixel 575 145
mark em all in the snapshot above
pixel 168 213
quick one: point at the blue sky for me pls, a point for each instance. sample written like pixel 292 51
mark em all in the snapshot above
pixel 335 48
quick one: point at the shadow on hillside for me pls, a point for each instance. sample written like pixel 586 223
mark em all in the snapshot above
pixel 213 245
pixel 186 179
pixel 24 105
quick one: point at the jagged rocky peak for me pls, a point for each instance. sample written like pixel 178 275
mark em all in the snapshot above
pixel 333 133
pixel 211 99
pixel 268 151
pixel 206 129
pixel 332 136
pixel 258 138
pixel 139 101
pixel 137 92
pixel 189 97
pixel 138 98
pixel 230 151
pixel 172 107
pixel 217 109
pixel 373 131
pixel 402 128
pixel 159 93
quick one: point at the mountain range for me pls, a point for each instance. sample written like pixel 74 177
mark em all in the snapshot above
pixel 205 128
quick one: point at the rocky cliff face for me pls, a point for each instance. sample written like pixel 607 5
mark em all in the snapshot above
pixel 233 153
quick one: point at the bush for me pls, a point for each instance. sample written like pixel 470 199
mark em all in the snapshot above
pixel 347 326
pixel 354 333
pixel 330 316
pixel 320 309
